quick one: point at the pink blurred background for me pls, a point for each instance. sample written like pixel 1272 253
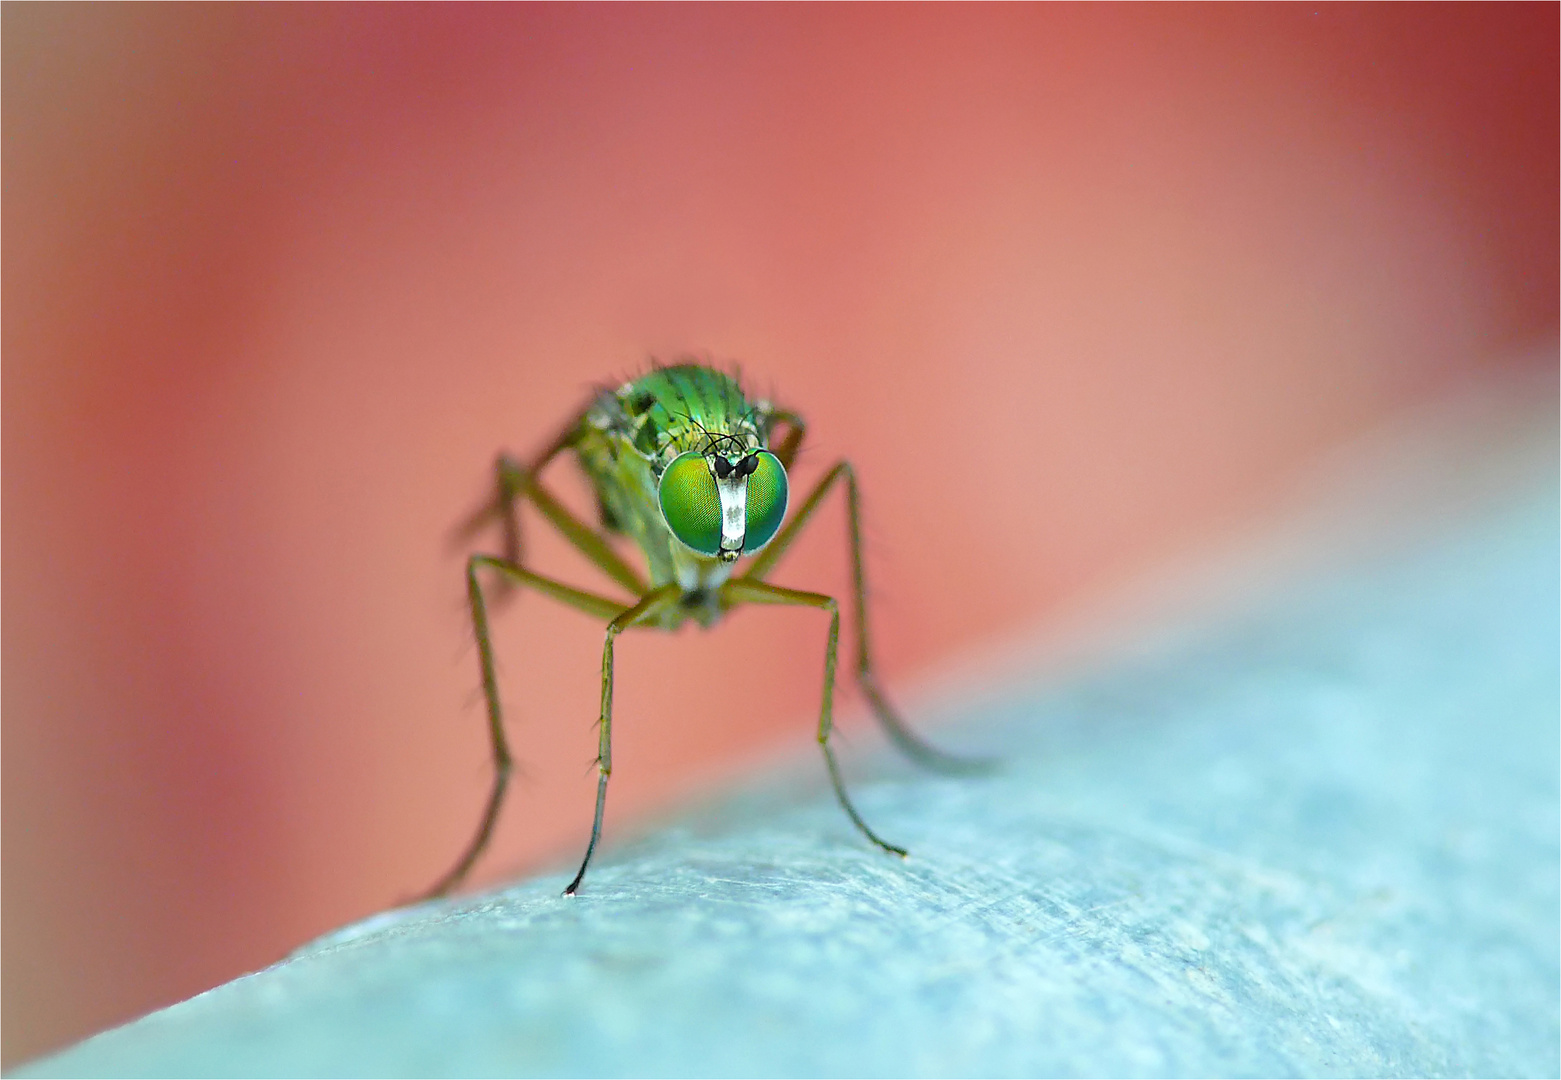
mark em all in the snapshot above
pixel 1074 287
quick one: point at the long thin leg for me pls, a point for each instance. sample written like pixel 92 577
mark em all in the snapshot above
pixel 649 606
pixel 742 590
pixel 504 505
pixel 911 744
pixel 796 431
pixel 503 763
pixel 515 482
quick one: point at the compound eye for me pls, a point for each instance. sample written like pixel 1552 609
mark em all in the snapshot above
pixel 767 492
pixel 691 504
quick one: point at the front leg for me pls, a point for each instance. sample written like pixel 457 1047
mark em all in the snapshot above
pixel 503 762
pixel 744 591
pixel 796 431
pixel 650 605
pixel 908 741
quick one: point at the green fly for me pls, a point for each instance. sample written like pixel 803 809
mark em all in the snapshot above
pixel 690 469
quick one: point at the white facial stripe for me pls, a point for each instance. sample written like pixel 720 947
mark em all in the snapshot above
pixel 734 510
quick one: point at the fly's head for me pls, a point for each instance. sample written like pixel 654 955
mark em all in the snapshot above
pixel 725 502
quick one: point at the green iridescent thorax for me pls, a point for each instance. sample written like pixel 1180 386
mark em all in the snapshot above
pixel 629 436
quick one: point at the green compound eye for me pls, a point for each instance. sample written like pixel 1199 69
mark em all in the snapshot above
pixel 766 500
pixel 691 504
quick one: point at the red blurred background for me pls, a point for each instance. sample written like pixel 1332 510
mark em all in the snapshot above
pixel 1074 286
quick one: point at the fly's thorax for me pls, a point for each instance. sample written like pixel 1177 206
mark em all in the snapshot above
pixel 672 410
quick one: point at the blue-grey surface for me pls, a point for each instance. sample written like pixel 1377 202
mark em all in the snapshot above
pixel 1321 838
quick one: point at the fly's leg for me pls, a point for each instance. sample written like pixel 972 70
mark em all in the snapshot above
pixel 516 482
pixel 649 606
pixel 911 744
pixel 503 763
pixel 743 590
pixel 797 429
pixel 509 476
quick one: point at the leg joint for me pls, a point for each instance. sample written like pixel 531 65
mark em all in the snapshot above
pixel 479 560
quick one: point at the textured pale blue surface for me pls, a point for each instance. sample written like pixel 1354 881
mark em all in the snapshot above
pixel 1322 839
